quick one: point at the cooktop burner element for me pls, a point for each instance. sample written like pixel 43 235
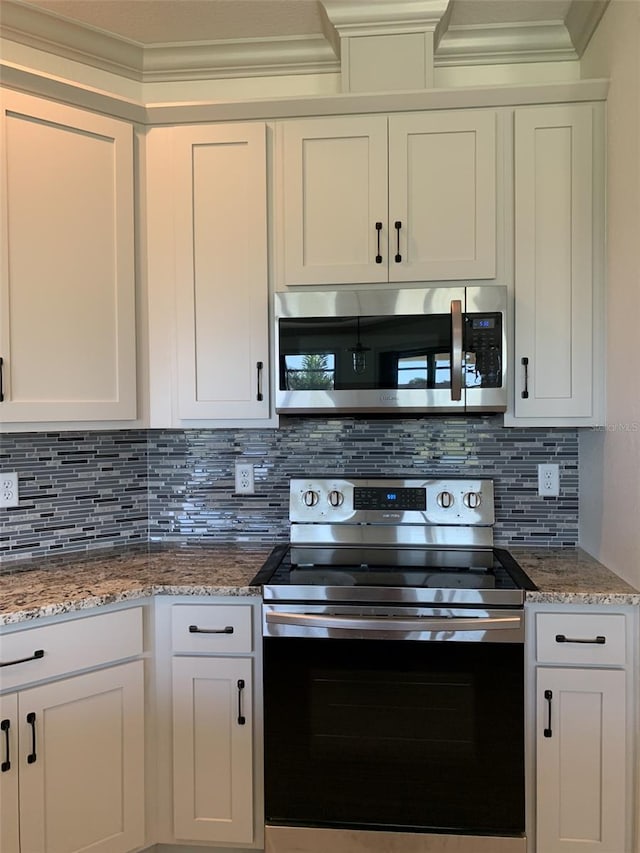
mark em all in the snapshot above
pixel 401 541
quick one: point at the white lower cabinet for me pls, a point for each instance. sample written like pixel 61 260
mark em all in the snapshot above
pixel 584 737
pixel 581 760
pixel 72 771
pixel 213 723
pixel 212 749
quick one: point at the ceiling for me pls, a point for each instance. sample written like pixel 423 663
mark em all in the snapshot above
pixel 160 38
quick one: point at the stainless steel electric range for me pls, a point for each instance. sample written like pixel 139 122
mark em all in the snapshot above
pixel 393 636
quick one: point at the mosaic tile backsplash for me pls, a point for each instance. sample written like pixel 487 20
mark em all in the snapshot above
pixel 90 490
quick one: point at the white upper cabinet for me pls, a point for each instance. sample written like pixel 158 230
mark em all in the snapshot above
pixel 442 196
pixel 221 272
pixel 558 265
pixel 409 197
pixel 67 293
pixel 335 200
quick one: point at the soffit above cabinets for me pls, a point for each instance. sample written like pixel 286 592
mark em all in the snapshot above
pixel 164 40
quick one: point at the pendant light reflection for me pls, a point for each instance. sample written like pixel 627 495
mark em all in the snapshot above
pixel 359 353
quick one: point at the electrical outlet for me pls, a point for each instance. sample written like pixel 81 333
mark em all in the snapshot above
pixel 244 478
pixel 548 481
pixel 9 489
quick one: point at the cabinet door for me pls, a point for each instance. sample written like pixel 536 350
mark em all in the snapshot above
pixel 9 809
pixel 581 766
pixel 84 787
pixel 212 749
pixel 67 298
pixel 442 196
pixel 221 271
pixel 334 193
pixel 553 261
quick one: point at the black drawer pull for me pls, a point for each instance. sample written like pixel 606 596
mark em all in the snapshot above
pixel 259 394
pixel 228 629
pixel 525 363
pixel 31 720
pixel 596 641
pixel 241 718
pixel 39 653
pixel 5 725
pixel 398 225
pixel 548 695
pixel 378 230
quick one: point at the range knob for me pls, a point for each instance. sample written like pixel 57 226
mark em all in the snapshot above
pixel 445 500
pixel 310 498
pixel 472 500
pixel 336 498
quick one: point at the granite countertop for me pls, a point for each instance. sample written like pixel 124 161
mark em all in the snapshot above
pixel 571 576
pixel 56 585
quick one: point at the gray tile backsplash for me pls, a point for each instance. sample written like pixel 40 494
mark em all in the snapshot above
pixel 89 490
pixel 77 491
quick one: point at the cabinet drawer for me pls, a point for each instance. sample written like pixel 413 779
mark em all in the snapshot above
pixel 63 647
pixel 214 628
pixel 581 638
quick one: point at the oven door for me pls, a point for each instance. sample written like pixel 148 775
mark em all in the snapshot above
pixel 406 350
pixel 410 736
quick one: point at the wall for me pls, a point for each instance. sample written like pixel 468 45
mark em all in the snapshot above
pixel 610 458
pixel 90 490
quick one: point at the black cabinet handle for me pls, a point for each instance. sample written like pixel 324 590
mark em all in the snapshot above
pixel 525 363
pixel 31 720
pixel 596 641
pixel 548 695
pixel 5 725
pixel 1 380
pixel 241 718
pixel 228 629
pixel 39 653
pixel 378 230
pixel 398 225
pixel 259 396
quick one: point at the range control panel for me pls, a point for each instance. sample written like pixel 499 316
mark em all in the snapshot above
pixel 391 501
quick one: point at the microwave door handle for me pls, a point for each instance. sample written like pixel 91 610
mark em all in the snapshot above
pixel 456 349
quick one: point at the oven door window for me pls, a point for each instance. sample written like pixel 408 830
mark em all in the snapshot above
pixel 409 735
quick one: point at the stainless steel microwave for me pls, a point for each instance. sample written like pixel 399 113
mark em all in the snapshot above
pixel 410 350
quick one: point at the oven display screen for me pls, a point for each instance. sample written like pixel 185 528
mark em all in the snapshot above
pixel 377 497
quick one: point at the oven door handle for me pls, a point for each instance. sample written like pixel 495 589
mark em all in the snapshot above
pixel 390 623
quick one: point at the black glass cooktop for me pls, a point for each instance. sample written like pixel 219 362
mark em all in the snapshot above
pixel 407 568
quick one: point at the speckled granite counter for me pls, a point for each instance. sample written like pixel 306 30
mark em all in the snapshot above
pixel 63 584
pixel 571 576
pixel 58 585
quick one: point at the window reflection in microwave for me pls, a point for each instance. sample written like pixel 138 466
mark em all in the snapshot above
pixel 313 371
pixel 425 370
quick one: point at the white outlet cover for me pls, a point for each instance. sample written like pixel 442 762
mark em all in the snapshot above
pixel 549 480
pixel 9 495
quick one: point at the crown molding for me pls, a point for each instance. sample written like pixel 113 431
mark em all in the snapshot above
pixel 457 45
pixel 42 30
pixel 377 17
pixel 581 21
pixel 242 58
pixel 47 32
pixel 481 44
